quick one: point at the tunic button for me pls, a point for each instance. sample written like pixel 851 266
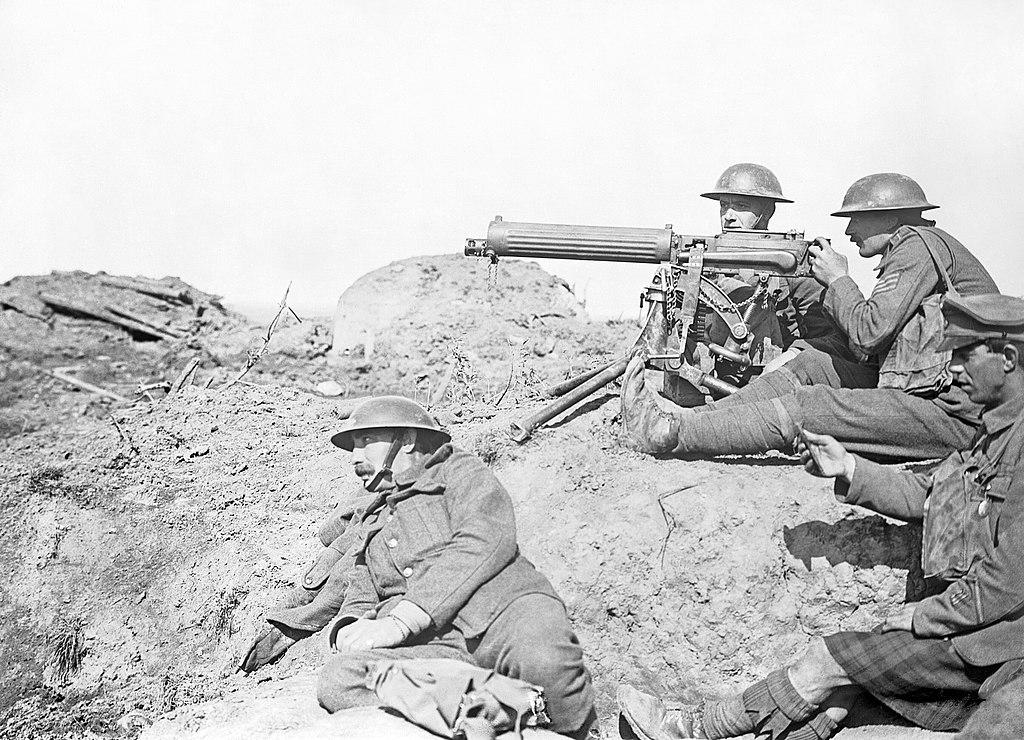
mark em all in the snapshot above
pixel 407 572
pixel 392 542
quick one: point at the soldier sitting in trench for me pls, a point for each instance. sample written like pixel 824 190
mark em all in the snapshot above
pixel 933 661
pixel 434 571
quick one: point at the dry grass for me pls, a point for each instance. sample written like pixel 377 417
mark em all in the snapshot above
pixel 66 648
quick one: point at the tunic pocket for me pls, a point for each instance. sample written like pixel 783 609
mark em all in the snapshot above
pixel 960 522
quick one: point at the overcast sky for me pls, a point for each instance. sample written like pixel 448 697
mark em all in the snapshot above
pixel 243 145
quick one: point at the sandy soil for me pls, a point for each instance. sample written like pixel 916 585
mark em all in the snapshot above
pixel 139 556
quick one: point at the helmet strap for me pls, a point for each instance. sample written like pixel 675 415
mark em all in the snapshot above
pixel 389 460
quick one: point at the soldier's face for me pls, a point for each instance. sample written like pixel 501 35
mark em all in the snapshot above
pixel 871 231
pixel 742 212
pixel 369 450
pixel 981 372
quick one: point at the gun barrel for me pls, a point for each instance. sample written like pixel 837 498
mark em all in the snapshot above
pixel 562 241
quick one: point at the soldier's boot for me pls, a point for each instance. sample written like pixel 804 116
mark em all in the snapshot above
pixel 646 426
pixel 770 708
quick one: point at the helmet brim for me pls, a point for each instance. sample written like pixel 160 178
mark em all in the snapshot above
pixel 851 211
pixel 717 195
pixel 343 439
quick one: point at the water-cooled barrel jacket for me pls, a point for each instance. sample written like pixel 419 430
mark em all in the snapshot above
pixel 906 276
pixel 982 611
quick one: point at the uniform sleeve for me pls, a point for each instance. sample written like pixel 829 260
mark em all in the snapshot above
pixel 887 489
pixel 908 277
pixel 361 594
pixel 810 320
pixel 993 588
pixel 483 541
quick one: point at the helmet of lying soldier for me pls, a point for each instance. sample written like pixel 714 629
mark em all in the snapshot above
pixel 747 194
pixel 390 412
pixel 386 435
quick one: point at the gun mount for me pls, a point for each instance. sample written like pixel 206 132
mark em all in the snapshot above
pixel 709 292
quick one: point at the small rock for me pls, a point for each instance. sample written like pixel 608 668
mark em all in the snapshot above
pixel 329 388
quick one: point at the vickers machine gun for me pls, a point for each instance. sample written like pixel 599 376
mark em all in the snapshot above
pixel 711 292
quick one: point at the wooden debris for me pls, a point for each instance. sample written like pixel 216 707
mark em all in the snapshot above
pixel 185 377
pixel 149 287
pixel 128 315
pixel 24 303
pixel 60 374
pixel 102 314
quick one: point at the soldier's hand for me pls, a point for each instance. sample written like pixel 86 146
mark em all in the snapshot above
pixel 824 456
pixel 267 647
pixel 901 620
pixel 366 634
pixel 827 265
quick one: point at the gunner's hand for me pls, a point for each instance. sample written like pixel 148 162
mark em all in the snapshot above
pixel 367 634
pixel 903 620
pixel 824 456
pixel 827 265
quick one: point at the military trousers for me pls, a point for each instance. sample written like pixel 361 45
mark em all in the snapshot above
pixel 831 395
pixel 532 640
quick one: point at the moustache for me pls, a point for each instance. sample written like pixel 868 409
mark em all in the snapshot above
pixel 364 468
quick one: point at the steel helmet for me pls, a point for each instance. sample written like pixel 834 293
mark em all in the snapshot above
pixel 394 412
pixel 748 179
pixel 885 191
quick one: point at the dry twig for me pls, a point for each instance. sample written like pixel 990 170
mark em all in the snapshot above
pixel 124 436
pixel 670 520
pixel 254 357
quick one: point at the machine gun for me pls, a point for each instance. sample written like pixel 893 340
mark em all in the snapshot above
pixel 693 301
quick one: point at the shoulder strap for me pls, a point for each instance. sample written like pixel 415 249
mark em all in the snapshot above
pixel 929 237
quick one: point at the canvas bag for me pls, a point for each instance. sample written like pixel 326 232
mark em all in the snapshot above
pixel 914 363
pixel 452 698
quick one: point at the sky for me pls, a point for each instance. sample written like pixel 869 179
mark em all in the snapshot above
pixel 246 145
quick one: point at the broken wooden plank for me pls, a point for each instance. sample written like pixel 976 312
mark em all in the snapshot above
pixel 186 376
pixel 102 314
pixel 149 287
pixel 23 303
pixel 126 314
pixel 82 385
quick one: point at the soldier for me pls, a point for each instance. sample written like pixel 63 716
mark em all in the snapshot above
pixel 932 660
pixel 747 194
pixel 833 389
pixel 436 571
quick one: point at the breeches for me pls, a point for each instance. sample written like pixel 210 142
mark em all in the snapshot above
pixel 532 640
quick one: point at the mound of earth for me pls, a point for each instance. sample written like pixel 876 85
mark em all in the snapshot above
pixel 410 326
pixel 142 542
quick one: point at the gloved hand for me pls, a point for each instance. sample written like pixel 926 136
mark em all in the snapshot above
pixel 268 646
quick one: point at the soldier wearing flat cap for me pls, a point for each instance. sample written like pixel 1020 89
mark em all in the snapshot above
pixel 936 660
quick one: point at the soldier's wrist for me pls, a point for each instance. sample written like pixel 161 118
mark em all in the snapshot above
pixel 849 467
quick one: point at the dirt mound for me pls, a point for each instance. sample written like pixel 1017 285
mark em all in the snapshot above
pixel 141 543
pixel 409 326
